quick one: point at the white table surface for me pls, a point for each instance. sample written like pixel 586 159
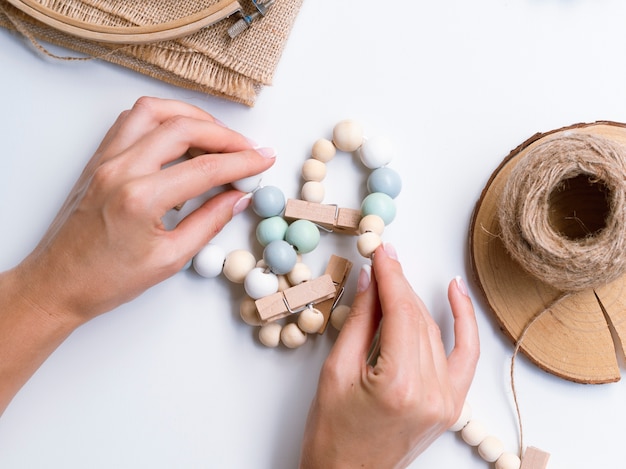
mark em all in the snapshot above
pixel 174 379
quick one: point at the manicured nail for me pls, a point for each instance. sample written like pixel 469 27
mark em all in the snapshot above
pixel 391 251
pixel 460 284
pixel 365 277
pixel 242 204
pixel 266 152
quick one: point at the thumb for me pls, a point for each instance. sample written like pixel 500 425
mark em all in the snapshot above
pixel 357 333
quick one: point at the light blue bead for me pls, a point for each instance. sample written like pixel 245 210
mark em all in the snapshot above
pixel 304 235
pixel 271 229
pixel 385 180
pixel 280 257
pixel 379 204
pixel 268 201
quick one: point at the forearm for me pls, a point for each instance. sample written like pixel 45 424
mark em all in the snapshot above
pixel 28 335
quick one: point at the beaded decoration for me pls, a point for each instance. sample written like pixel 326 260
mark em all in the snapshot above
pixel 281 285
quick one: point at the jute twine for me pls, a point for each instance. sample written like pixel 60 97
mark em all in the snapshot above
pixel 570 264
pixel 524 212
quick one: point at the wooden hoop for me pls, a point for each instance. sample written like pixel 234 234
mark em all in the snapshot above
pixel 131 34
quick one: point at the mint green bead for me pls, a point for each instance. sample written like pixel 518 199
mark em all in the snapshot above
pixel 378 203
pixel 271 229
pixel 304 235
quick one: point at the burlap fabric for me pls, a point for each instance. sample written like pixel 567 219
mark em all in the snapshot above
pixel 208 61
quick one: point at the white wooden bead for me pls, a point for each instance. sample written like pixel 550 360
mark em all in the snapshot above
pixel 248 312
pixel 323 150
pixel 291 336
pixel 209 261
pixel 367 243
pixel 348 135
pixel 473 433
pixel 313 191
pixel 339 315
pixel 238 264
pixel 508 461
pixel 464 418
pixel 313 170
pixel 269 334
pixel 260 283
pixel 247 184
pixel 376 152
pixel 490 449
pixel 310 320
pixel 300 273
pixel 372 223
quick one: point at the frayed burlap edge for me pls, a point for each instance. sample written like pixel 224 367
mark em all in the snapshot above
pixel 219 69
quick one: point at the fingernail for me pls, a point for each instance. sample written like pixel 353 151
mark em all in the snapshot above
pixel 365 276
pixel 242 204
pixel 461 285
pixel 266 152
pixel 391 251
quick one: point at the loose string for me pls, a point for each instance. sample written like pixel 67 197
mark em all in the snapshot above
pixel 518 345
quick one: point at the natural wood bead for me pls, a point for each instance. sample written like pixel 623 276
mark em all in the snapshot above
pixel 473 433
pixel 313 170
pixel 269 334
pixel 238 264
pixel 367 243
pixel 323 150
pixel 292 336
pixel 300 273
pixel 508 461
pixel 348 135
pixel 313 191
pixel 310 320
pixel 283 283
pixel 248 312
pixel 371 223
pixel 490 449
pixel 339 315
pixel 464 418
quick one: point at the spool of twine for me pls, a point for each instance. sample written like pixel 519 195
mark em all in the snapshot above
pixel 562 212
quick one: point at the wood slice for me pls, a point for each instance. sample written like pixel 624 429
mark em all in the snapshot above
pixel 572 339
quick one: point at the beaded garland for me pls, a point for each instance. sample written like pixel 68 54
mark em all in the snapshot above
pixel 284 241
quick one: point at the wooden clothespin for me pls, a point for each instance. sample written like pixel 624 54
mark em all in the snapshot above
pixel 534 458
pixel 294 299
pixel 330 217
pixel 339 269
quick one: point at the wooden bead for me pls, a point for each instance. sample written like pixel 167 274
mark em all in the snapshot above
pixel 367 243
pixel 313 191
pixel 339 315
pixel 238 264
pixel 313 170
pixel 323 150
pixel 508 461
pixel 464 418
pixel 209 261
pixel 248 312
pixel 376 152
pixel 291 336
pixel 283 283
pixel 473 433
pixel 348 135
pixel 378 203
pixel 248 184
pixel 371 223
pixel 300 273
pixel 259 283
pixel 310 320
pixel 269 334
pixel 490 449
